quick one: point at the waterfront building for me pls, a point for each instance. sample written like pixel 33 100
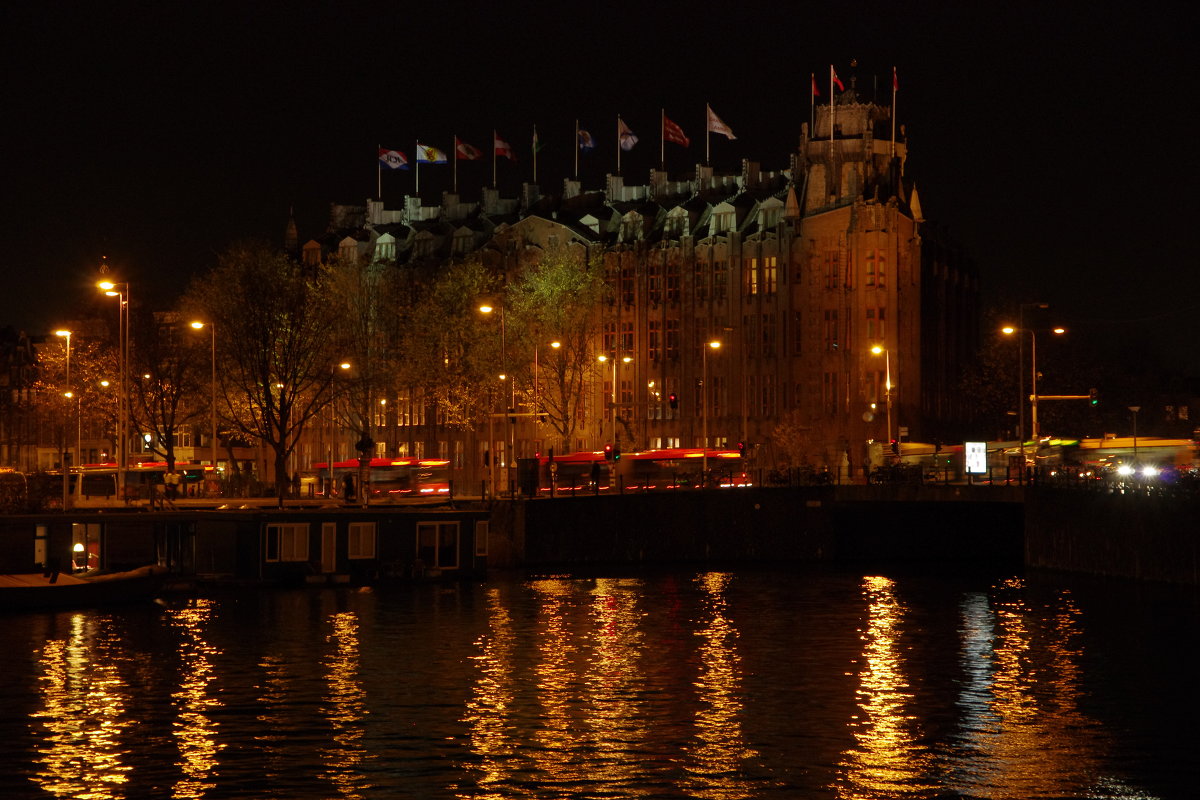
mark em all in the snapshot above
pixel 798 272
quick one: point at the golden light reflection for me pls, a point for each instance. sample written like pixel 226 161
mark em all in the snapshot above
pixel 83 715
pixel 195 730
pixel 489 709
pixel 887 760
pixel 555 672
pixel 1025 728
pixel 345 709
pixel 715 764
pixel 614 681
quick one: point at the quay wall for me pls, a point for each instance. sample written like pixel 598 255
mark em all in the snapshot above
pixel 1134 535
pixel 917 524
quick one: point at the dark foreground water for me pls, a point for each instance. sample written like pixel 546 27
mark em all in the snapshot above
pixel 668 685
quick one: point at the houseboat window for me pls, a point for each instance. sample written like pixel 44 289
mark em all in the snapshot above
pixel 437 544
pixel 287 541
pixel 361 540
pixel 481 537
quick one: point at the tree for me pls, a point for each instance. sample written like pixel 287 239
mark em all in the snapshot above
pixel 170 382
pixel 453 352
pixel 556 300
pixel 274 326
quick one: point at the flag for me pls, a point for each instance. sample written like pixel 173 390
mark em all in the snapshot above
pixel 715 125
pixel 816 91
pixel 465 152
pixel 502 148
pixel 537 145
pixel 429 155
pixel 586 143
pixel 393 159
pixel 625 137
pixel 895 81
pixel 836 80
pixel 674 133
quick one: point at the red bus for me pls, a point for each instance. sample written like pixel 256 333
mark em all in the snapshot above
pixel 389 477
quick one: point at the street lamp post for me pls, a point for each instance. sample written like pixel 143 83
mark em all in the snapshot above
pixel 67 393
pixel 1033 397
pixel 713 345
pixel 212 329
pixel 887 386
pixel 613 359
pixel 1135 410
pixel 123 296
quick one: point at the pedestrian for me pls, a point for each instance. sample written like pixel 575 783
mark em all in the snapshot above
pixel 348 488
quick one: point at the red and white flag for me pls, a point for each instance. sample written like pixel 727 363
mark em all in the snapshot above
pixel 715 125
pixel 815 91
pixel 835 79
pixel 895 81
pixel 674 133
pixel 502 148
pixel 466 152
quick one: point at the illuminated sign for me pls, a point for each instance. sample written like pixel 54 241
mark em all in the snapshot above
pixel 976 455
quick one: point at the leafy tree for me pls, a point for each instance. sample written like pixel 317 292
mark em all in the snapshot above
pixel 556 300
pixel 452 351
pixel 275 326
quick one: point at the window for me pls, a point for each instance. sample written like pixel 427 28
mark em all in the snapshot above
pixel 700 279
pixel 831 329
pixel 360 540
pixel 797 334
pixel 770 275
pixel 610 337
pixel 626 337
pixel 720 279
pixel 672 339
pixel 831 269
pixel 627 279
pixel 654 272
pixel 750 268
pixel 481 537
pixel 654 339
pixel 870 323
pixel 437 544
pixel 768 335
pixel 286 541
pixel 672 281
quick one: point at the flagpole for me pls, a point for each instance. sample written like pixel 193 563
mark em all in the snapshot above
pixel 493 158
pixel 576 149
pixel 535 144
pixel 894 87
pixel 417 190
pixel 812 105
pixel 455 157
pixel 707 113
pixel 662 139
pixel 379 178
pixel 618 144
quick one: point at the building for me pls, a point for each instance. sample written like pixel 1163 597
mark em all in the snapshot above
pixel 798 273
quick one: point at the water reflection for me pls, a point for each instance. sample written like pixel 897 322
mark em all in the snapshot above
pixel 490 728
pixel 1021 719
pixel 194 728
pixel 716 759
pixel 344 709
pixel 887 760
pixel 84 714
pixel 553 753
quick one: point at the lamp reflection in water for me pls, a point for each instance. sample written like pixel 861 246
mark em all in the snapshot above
pixel 196 701
pixel 345 708
pixel 716 759
pixel 489 709
pixel 614 710
pixel 84 715
pixel 887 759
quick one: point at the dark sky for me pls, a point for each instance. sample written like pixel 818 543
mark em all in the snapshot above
pixel 1054 140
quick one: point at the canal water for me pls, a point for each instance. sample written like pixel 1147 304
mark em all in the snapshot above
pixel 679 684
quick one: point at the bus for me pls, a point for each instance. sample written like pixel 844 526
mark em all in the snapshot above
pixel 393 478
pixel 648 470
pixel 98 485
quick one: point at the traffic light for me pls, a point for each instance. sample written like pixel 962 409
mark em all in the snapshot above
pixel 608 452
pixel 673 400
pixel 742 449
pixel 617 452
pixel 895 447
pixel 1094 397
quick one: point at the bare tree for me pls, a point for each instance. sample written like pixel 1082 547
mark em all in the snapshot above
pixel 275 326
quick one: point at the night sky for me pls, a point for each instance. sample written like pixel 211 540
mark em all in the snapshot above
pixel 1053 140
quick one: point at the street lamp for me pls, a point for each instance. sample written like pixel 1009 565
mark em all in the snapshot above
pixel 212 329
pixel 1033 397
pixel 713 345
pixel 887 386
pixel 624 360
pixel 1135 410
pixel 67 394
pixel 122 294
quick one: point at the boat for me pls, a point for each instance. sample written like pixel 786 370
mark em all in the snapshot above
pixel 59 590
